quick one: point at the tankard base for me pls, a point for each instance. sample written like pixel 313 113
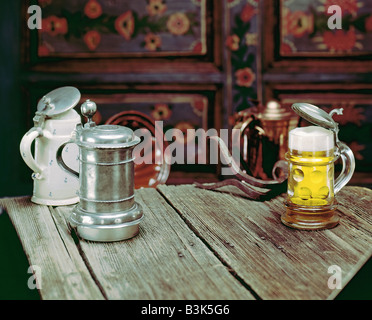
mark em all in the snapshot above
pixel 107 234
pixel 106 227
pixel 54 202
pixel 307 219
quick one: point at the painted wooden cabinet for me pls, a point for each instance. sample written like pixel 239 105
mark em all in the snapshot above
pixel 164 59
pixel 189 63
pixel 192 63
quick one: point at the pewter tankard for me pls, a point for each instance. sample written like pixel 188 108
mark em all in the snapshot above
pixel 107 210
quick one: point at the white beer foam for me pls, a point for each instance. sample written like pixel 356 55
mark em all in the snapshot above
pixel 311 139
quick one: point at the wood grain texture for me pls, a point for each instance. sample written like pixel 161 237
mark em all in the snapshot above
pixel 164 261
pixel 63 272
pixel 275 261
pixel 196 244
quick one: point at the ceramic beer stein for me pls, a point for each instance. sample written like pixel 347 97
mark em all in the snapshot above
pixel 107 210
pixel 54 122
pixel 312 152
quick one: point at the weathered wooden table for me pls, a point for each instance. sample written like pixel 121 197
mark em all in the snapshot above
pixel 197 244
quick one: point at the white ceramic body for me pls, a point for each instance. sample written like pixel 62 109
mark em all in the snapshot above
pixel 53 185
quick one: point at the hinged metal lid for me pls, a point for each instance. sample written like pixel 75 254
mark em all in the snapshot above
pixel 103 136
pixel 107 136
pixel 317 116
pixel 58 101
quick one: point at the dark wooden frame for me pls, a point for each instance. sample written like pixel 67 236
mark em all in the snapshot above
pixel 310 69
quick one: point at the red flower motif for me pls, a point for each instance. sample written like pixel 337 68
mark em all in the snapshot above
pixel 350 114
pixel 296 23
pixel 232 42
pixel 92 39
pixel 152 41
pixel 54 25
pixel 339 40
pixel 124 25
pixel 161 111
pixel 156 7
pixel 285 48
pixel 368 24
pixel 247 13
pixel 199 105
pixel 197 47
pixel 93 9
pixel 350 6
pixel 178 23
pixel 44 50
pixel 244 77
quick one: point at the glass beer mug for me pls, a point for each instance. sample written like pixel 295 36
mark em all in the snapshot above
pixel 312 152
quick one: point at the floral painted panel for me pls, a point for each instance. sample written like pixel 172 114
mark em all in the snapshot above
pixel 242 45
pixel 304 28
pixel 121 27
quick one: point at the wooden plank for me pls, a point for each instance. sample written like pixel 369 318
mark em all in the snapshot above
pixel 275 261
pixel 166 260
pixel 63 274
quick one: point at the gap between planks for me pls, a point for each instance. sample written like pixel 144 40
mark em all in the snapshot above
pixel 229 268
pixel 337 236
pixel 60 219
pixel 91 253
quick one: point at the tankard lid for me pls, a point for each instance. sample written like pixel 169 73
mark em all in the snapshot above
pixel 108 136
pixel 274 111
pixel 58 101
pixel 317 116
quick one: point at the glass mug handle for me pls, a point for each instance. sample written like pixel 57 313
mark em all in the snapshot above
pixel 60 161
pixel 348 167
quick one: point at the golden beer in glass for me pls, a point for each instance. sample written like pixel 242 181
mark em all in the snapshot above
pixel 311 197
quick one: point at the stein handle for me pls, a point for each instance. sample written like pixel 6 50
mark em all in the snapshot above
pixel 25 149
pixel 60 161
pixel 348 167
pixel 244 141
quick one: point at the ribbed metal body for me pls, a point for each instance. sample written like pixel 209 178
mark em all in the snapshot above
pixel 106 179
pixel 107 210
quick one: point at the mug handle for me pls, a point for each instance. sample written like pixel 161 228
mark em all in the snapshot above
pixel 243 139
pixel 25 149
pixel 242 128
pixel 348 167
pixel 60 161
